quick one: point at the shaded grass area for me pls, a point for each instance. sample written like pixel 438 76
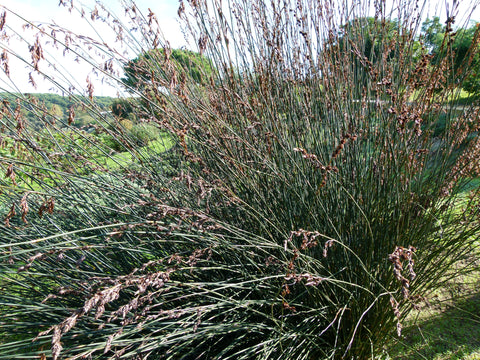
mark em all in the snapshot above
pixel 447 328
pixel 447 325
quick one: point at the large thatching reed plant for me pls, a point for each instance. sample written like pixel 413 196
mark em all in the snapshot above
pixel 314 190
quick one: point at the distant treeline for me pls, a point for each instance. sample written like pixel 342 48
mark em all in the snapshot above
pixel 35 108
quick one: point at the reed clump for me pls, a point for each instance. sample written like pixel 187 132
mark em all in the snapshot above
pixel 311 206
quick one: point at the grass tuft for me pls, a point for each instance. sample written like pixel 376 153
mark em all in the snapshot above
pixel 301 204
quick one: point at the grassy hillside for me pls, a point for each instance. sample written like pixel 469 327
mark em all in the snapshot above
pixel 53 107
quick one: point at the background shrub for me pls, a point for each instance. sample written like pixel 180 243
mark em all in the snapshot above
pixel 143 133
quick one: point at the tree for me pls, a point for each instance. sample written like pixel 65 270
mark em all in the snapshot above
pixel 433 33
pixel 460 44
pixel 163 68
pixel 467 59
pixel 371 35
pixel 370 44
pixel 122 108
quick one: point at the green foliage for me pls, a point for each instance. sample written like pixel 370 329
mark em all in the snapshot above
pixel 143 133
pixel 36 108
pixel 372 43
pixel 56 111
pixel 433 33
pixel 186 63
pixel 376 35
pixel 122 108
pixel 462 45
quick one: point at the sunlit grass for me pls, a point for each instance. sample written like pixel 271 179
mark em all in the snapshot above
pixel 119 160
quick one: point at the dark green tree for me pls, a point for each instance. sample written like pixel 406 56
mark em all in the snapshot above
pixel 122 108
pixel 461 45
pixel 371 36
pixel 159 67
pixel 371 43
pixel 432 34
pixel 468 59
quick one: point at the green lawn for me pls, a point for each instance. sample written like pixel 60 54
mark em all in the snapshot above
pixel 445 328
pixel 447 325
pixel 122 159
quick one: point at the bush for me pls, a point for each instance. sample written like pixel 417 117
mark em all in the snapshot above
pixel 313 207
pixel 143 133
